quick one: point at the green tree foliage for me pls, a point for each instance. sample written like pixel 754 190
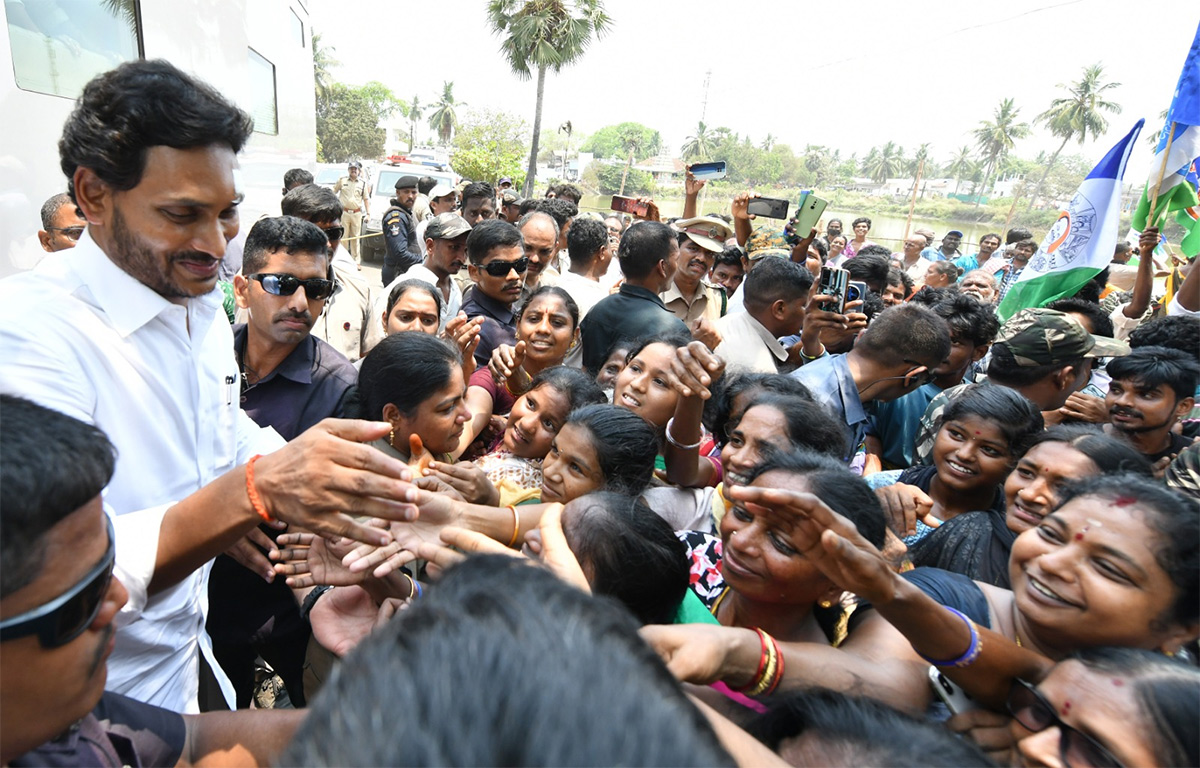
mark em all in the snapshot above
pixel 348 125
pixel 490 144
pixel 540 35
pixel 608 142
pixel 323 64
pixel 698 147
pixel 1077 115
pixel 444 119
pixel 995 138
pixel 383 102
pixel 885 164
pixel 607 178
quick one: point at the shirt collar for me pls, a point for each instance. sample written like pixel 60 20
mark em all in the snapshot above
pixel 128 303
pixel 851 402
pixel 500 311
pixel 638 291
pixel 767 337
pixel 297 366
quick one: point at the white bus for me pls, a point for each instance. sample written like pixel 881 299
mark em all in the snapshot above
pixel 256 52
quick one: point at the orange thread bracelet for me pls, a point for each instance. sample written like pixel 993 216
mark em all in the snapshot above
pixel 252 492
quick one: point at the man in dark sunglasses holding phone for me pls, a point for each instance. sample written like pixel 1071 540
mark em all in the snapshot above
pixel 63 594
pixel 497 264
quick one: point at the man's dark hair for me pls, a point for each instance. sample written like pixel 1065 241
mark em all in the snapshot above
pixel 489 234
pixel 1102 324
pixel 425 184
pixel 585 238
pixel 874 249
pixel 562 211
pixel 312 202
pixel 1028 242
pixel 906 332
pixel 901 278
pixel 51 206
pixel 1123 246
pixel 643 245
pixel 968 319
pixel 50 465
pixel 1180 332
pixel 1003 368
pixel 870 268
pixel 1017 235
pixel 490 667
pixel 823 727
pixel 774 280
pixel 296 177
pixel 286 233
pixel 611 530
pixel 568 192
pixel 860 220
pixel 527 205
pixel 477 189
pixel 821 247
pixel 731 257
pixel 138 105
pixel 992 234
pixel 1158 366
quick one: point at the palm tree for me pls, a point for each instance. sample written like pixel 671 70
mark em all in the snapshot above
pixel 415 111
pixel 1077 115
pixel 922 155
pixel 996 137
pixel 885 164
pixel 541 35
pixel 699 146
pixel 633 141
pixel 960 165
pixel 323 64
pixel 768 143
pixel 444 119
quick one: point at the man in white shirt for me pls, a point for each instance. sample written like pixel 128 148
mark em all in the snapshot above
pixel 776 294
pixel 127 332
pixel 588 247
pixel 442 199
pixel 347 315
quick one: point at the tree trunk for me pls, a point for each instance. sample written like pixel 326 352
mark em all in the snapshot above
pixel 957 181
pixel 625 173
pixel 531 171
pixel 987 176
pixel 1049 165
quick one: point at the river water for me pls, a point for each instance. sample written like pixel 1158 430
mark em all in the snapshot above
pixel 885 230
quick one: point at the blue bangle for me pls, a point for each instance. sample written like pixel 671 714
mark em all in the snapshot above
pixel 972 652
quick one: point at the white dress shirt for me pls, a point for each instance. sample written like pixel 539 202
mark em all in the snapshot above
pixel 747 345
pixel 82 336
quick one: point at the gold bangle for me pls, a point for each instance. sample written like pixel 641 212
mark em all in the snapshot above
pixel 516 526
pixel 412 585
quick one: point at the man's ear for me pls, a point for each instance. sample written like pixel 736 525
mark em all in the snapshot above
pixel 979 352
pixel 1184 406
pixel 92 195
pixel 473 271
pixel 44 239
pixel 1065 378
pixel 779 309
pixel 241 291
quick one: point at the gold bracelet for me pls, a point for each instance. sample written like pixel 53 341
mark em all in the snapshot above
pixel 516 526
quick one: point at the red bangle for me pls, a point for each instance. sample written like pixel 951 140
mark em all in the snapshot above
pixel 252 492
pixel 778 669
pixel 762 664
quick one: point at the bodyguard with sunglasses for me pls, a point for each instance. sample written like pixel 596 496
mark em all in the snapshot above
pixel 63 594
pixel 497 264
pixel 61 224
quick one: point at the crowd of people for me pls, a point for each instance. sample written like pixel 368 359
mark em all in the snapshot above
pixel 254 509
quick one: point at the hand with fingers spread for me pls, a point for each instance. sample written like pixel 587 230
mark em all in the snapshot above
pixel 463 332
pixel 694 370
pixel 308 560
pixel 904 505
pixel 820 324
pixel 692 185
pixel 324 477
pixel 436 511
pixel 344 616
pixel 738 209
pixel 652 213
pixel 465 477
pixel 248 552
pixel 827 540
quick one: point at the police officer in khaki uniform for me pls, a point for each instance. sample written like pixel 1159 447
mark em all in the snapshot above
pixel 355 196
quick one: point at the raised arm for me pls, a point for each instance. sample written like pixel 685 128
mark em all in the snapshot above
pixel 1144 281
pixel 693 373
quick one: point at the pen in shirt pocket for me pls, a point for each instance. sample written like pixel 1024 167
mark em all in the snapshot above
pixel 230 382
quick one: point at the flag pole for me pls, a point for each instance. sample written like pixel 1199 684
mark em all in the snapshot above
pixel 1162 172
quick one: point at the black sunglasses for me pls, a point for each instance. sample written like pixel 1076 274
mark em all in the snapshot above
pixel 335 232
pixel 285 285
pixel 501 268
pixel 1035 714
pixel 65 618
pixel 74 233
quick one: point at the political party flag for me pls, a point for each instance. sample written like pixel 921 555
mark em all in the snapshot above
pixel 1178 192
pixel 1081 242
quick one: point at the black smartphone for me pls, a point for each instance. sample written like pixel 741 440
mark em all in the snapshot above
pixel 708 171
pixel 629 205
pixel 771 207
pixel 834 282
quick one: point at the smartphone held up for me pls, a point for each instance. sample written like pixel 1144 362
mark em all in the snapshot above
pixel 630 205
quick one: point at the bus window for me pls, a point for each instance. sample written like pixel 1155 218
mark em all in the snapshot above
pixel 58 46
pixel 262 93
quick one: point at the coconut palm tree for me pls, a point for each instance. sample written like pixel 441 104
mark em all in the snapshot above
pixel 444 119
pixel 540 35
pixel 415 111
pixel 768 143
pixel 699 146
pixel 634 142
pixel 886 163
pixel 996 137
pixel 960 165
pixel 1077 115
pixel 921 155
pixel 323 64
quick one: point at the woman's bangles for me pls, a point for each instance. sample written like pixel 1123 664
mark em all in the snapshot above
pixel 770 668
pixel 970 655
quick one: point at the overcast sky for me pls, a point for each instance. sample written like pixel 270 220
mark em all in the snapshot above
pixel 845 74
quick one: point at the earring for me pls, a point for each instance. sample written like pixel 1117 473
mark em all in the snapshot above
pixel 826 603
pixel 392 437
